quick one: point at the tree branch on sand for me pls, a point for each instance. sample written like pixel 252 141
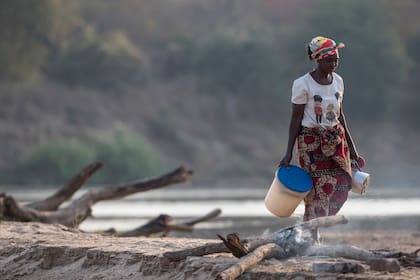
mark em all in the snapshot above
pixel 49 211
pixel 295 241
pixel 239 248
pixel 53 202
pixel 163 224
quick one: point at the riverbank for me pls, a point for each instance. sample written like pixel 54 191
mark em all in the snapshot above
pixel 243 209
pixel 40 251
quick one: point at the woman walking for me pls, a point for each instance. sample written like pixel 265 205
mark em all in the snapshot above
pixel 324 144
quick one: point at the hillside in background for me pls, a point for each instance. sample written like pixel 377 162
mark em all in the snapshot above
pixel 145 86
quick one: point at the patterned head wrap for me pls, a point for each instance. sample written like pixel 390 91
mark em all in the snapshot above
pixel 321 47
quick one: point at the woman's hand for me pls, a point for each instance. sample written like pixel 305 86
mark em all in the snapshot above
pixel 286 160
pixel 359 162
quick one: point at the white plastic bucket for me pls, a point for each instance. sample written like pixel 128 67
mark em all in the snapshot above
pixel 360 182
pixel 281 200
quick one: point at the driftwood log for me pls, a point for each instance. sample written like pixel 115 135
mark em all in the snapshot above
pixel 286 238
pixel 265 251
pixel 163 224
pixel 53 202
pixel 49 211
pixel 298 241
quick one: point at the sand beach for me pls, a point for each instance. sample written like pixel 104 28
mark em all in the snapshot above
pixel 41 251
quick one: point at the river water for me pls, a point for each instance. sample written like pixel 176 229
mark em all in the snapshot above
pixel 243 210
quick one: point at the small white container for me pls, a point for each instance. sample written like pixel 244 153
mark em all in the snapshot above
pixel 360 182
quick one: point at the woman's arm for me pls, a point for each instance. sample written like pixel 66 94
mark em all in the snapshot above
pixel 294 129
pixel 354 155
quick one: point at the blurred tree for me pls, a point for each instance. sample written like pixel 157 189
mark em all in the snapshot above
pixel 248 72
pixel 29 31
pixel 53 164
pixel 147 22
pixel 404 15
pixel 176 57
pixel 106 62
pixel 408 101
pixel 374 62
pixel 126 157
pixel 414 54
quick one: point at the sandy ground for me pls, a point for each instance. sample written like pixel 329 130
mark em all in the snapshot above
pixel 40 251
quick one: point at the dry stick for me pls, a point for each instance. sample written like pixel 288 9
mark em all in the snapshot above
pixel 292 239
pixel 211 215
pixel 159 224
pixel 322 222
pixel 206 249
pixel 80 209
pixel 163 224
pixel 405 259
pixel 179 175
pixel 235 245
pixel 263 252
pixel 53 202
pixel 376 261
pixel 252 243
pixel 343 251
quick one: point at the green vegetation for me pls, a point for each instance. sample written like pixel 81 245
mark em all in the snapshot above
pixel 27 32
pixel 53 163
pixel 125 156
pixel 226 66
pixel 240 68
pixel 104 63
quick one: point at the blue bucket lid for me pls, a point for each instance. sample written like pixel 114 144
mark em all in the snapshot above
pixel 295 178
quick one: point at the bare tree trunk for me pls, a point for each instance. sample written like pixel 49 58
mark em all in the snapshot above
pixel 11 210
pixel 80 208
pixel 162 224
pixel 53 202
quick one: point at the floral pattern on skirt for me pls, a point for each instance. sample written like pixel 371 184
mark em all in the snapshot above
pixel 324 153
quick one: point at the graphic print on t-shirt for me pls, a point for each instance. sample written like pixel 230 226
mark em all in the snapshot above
pixel 318 108
pixel 330 115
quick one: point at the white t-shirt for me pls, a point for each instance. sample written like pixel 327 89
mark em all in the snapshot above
pixel 323 102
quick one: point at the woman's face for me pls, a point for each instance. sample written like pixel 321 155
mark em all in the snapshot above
pixel 328 64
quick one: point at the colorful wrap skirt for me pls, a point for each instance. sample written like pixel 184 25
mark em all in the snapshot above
pixel 325 155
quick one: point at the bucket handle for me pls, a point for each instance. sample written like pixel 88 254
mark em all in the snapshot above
pixel 355 163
